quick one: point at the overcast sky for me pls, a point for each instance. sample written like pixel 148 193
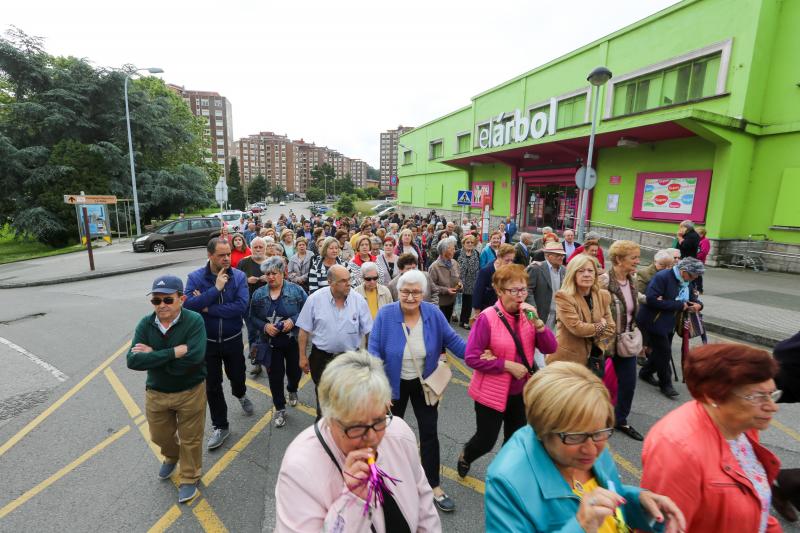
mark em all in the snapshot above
pixel 333 72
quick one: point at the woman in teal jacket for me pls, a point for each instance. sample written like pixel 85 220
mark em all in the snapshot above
pixel 555 474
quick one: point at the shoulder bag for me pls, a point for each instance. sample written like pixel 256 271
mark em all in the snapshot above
pixel 434 385
pixel 629 342
pixel 517 343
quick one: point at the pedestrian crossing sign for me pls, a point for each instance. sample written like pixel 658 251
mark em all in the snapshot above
pixel 464 198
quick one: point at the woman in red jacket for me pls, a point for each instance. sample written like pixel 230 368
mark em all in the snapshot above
pixel 239 250
pixel 705 455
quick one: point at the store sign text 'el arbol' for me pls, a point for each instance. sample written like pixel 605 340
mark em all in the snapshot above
pixel 506 128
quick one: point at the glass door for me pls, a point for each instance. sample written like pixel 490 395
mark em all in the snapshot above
pixel 553 205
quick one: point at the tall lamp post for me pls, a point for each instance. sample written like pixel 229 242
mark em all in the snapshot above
pixel 598 77
pixel 151 70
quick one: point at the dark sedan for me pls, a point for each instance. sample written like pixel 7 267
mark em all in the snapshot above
pixel 185 233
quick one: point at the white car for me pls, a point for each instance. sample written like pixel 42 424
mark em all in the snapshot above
pixel 282 203
pixel 231 219
pixel 386 212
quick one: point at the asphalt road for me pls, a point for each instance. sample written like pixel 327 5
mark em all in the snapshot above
pixel 74 452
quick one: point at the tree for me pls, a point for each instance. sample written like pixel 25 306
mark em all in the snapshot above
pixel 361 194
pixel 372 192
pixel 345 206
pixel 323 177
pixel 257 190
pixel 62 130
pixel 373 174
pixel 344 185
pixel 235 189
pixel 279 193
pixel 315 195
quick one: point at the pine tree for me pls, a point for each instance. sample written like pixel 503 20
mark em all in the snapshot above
pixel 235 192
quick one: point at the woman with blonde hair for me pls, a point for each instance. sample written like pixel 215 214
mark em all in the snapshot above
pixel 555 474
pixel 584 325
pixel 620 282
pixel 287 241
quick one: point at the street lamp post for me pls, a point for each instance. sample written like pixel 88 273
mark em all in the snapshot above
pixel 598 77
pixel 151 70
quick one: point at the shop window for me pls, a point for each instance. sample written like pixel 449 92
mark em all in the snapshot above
pixel 463 143
pixel 435 149
pixel 571 111
pixel 681 83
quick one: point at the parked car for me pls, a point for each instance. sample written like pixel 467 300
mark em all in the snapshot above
pixel 231 219
pixel 282 203
pixel 386 212
pixel 319 209
pixel 380 207
pixel 175 234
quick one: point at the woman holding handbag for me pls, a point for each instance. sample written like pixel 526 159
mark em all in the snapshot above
pixel 500 348
pixel 619 282
pixel 408 336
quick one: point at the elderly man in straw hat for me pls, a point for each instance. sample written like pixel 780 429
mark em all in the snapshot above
pixel 544 280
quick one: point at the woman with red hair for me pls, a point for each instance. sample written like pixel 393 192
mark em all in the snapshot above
pixel 706 454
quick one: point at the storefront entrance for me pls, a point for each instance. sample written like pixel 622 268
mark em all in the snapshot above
pixel 554 205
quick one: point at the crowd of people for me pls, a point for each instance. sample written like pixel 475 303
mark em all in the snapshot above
pixel 555 330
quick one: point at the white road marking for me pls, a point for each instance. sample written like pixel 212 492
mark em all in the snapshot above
pixel 56 373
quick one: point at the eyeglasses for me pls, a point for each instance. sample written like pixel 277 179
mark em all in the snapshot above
pixel 169 300
pixel 273 273
pixel 410 294
pixel 371 278
pixel 516 292
pixel 359 431
pixel 760 398
pixel 579 438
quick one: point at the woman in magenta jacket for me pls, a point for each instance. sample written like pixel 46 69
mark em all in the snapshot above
pixel 706 454
pixel 500 371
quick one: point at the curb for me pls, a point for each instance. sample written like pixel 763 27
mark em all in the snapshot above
pixel 84 277
pixel 739 334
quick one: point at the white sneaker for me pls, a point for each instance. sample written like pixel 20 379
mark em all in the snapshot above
pixel 280 418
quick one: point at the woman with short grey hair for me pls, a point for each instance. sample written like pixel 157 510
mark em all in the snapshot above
pixel 357 428
pixel 445 275
pixel 376 294
pixel 274 309
pixel 409 336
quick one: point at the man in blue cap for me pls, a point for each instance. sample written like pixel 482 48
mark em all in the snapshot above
pixel 170 344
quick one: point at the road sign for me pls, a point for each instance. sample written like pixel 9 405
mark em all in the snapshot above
pixel 583 181
pixel 464 198
pixel 393 180
pixel 89 199
pixel 221 191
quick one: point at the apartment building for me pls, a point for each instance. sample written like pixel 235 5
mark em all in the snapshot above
pixel 216 110
pixel 358 171
pixel 389 140
pixel 268 154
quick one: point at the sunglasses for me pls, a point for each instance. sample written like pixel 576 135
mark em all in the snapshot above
pixel 371 278
pixel 169 300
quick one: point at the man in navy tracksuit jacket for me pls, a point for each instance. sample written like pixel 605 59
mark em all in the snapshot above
pixel 219 293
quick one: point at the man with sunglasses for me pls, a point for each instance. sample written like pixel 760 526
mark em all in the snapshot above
pixel 170 344
pixel 219 293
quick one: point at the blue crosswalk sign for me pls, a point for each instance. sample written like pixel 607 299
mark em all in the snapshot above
pixel 464 198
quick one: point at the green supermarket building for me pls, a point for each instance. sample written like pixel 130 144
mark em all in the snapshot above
pixel 700 121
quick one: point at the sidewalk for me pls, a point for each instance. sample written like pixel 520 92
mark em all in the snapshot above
pixel 110 260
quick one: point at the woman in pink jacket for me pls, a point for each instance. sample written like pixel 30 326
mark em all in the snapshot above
pixel 500 349
pixel 319 485
pixel 705 455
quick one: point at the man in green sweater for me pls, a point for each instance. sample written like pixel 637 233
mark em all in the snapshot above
pixel 170 344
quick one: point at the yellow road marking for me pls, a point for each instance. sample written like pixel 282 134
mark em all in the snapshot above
pixel 789 431
pixel 138 420
pixel 209 521
pixel 460 382
pixel 237 448
pixel 625 464
pixel 122 392
pixel 300 406
pixel 166 521
pixel 58 403
pixel 470 482
pixel 459 365
pixel 62 472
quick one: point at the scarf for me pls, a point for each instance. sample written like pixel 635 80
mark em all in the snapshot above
pixel 448 264
pixel 683 294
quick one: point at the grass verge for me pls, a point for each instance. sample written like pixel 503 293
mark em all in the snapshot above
pixel 12 250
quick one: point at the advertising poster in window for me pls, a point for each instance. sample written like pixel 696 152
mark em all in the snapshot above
pixel 672 195
pixel 479 190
